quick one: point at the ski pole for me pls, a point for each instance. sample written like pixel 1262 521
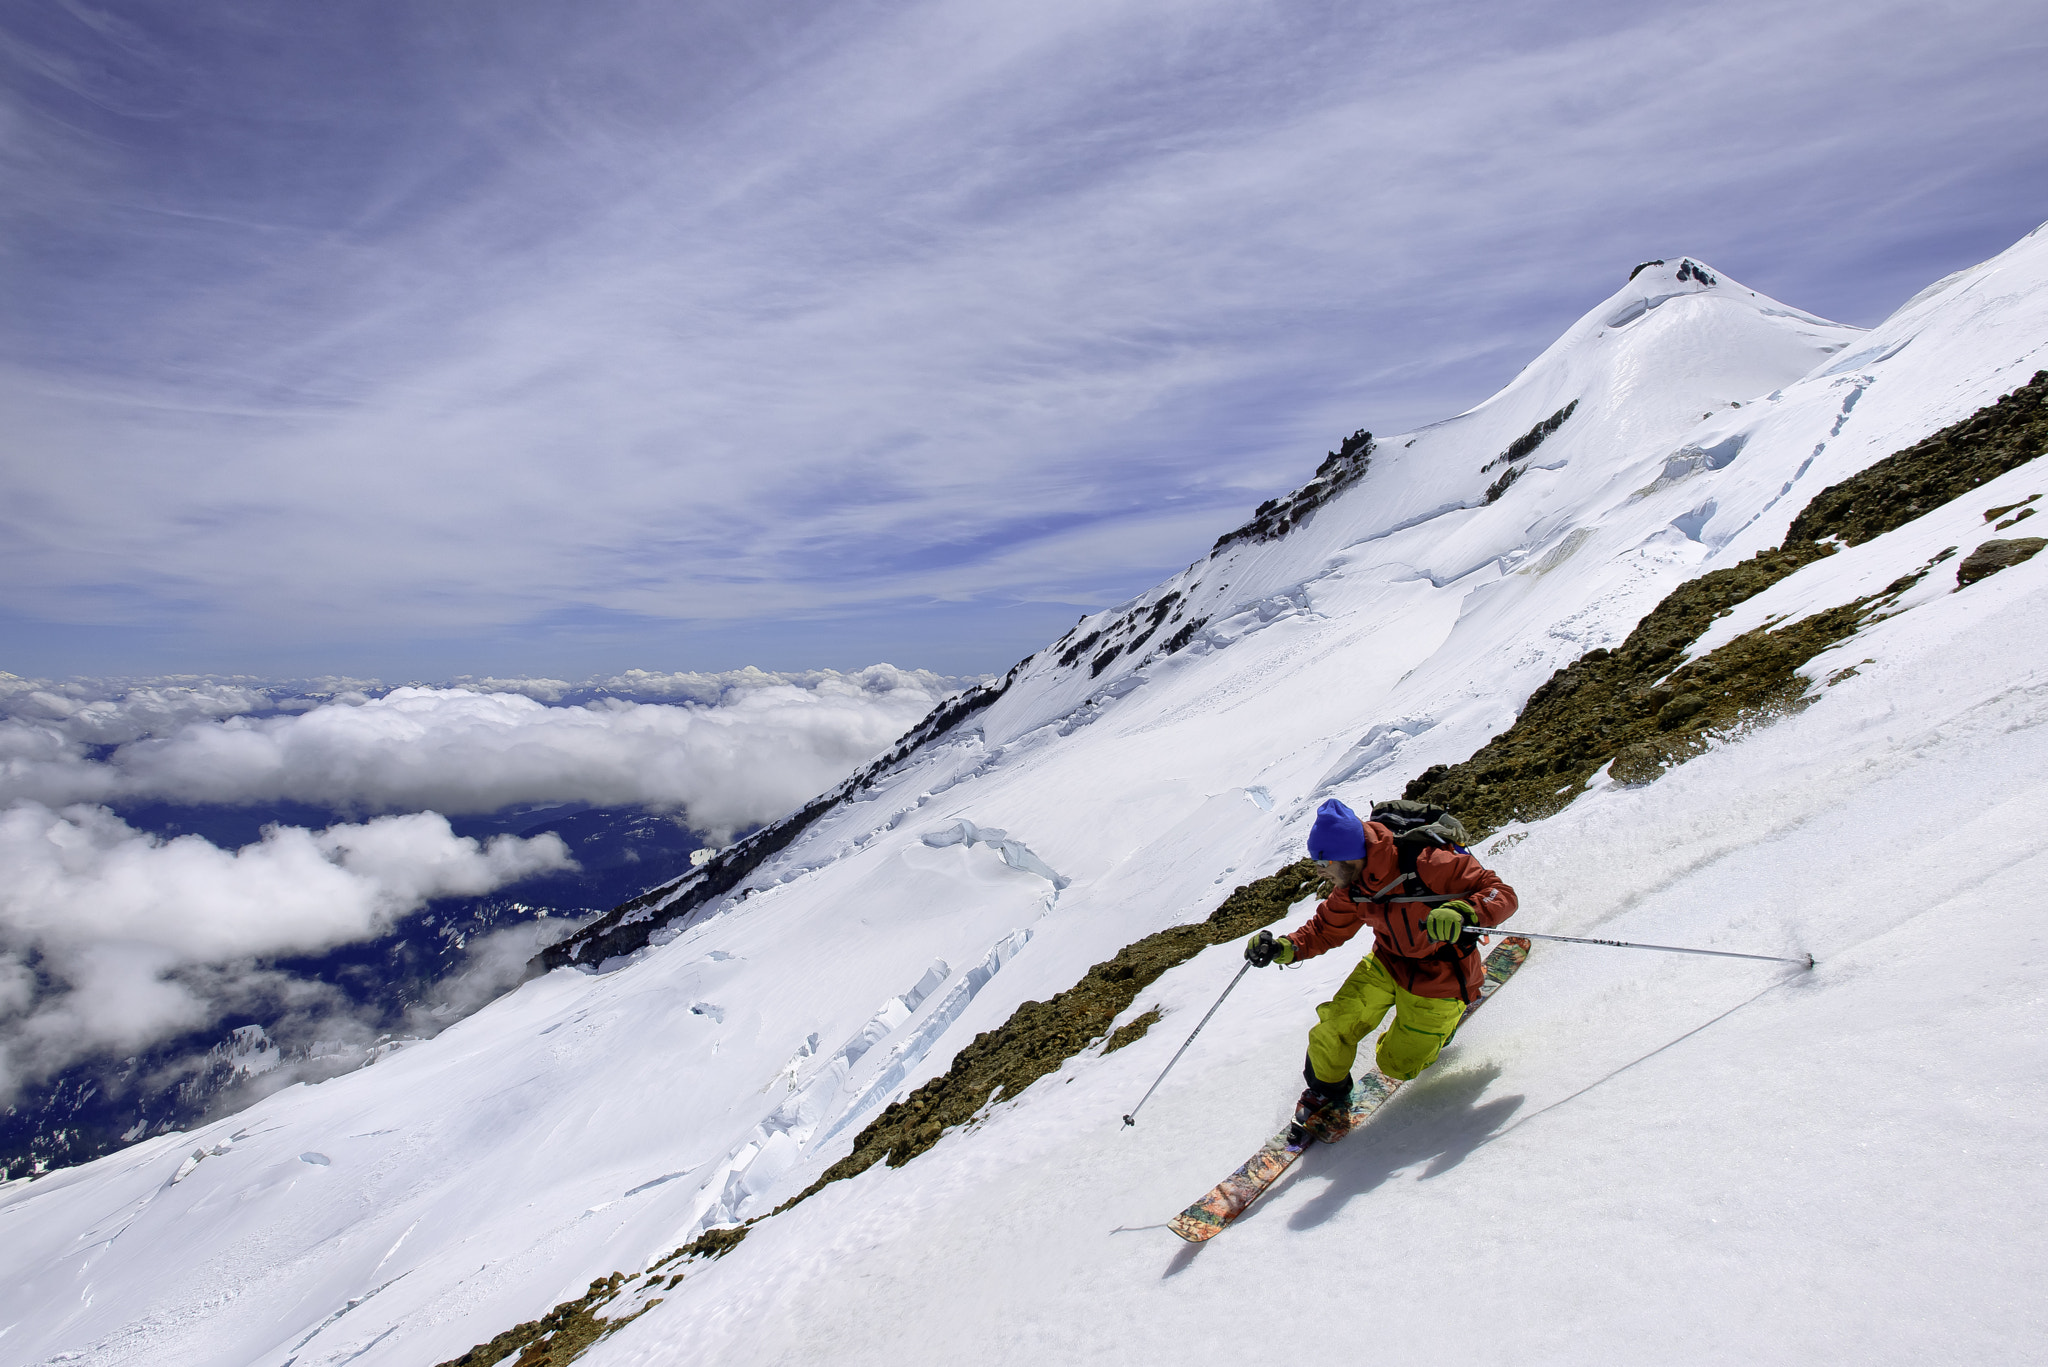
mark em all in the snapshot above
pixel 1132 1118
pixel 1805 961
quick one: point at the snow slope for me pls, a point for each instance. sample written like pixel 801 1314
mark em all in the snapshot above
pixel 1628 1157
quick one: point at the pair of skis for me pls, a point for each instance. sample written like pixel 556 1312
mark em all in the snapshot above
pixel 1231 1197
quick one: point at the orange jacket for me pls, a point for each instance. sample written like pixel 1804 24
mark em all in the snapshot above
pixel 1426 967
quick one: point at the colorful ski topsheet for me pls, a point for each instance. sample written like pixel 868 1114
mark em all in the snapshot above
pixel 1229 1199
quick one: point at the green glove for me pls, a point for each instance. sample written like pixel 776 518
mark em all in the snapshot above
pixel 1448 921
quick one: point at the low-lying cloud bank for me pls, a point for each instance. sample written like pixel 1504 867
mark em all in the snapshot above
pixel 112 938
pixel 726 750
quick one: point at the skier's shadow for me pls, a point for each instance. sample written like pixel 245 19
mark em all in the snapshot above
pixel 1438 1121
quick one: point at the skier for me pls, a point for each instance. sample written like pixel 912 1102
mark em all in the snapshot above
pixel 1424 963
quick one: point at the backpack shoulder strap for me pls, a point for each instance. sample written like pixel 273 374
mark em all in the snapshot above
pixel 1407 885
pixel 1410 851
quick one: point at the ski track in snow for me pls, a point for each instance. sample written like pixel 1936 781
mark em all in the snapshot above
pixel 1631 1157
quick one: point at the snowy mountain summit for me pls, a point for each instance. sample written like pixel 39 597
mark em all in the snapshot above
pixel 1798 729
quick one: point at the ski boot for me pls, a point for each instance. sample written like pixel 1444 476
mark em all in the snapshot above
pixel 1324 1111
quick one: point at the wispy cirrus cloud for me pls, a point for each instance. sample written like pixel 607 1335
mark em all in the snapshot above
pixel 760 330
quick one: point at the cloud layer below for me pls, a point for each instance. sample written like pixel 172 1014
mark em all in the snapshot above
pixel 738 750
pixel 111 938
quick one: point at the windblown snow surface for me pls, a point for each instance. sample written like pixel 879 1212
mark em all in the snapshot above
pixel 1629 1157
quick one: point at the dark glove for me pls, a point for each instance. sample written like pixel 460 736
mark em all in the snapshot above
pixel 1265 948
pixel 1448 921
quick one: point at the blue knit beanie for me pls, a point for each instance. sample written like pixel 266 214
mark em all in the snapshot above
pixel 1337 834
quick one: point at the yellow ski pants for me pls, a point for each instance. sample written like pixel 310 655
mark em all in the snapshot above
pixel 1421 1028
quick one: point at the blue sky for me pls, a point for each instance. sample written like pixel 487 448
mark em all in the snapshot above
pixel 419 340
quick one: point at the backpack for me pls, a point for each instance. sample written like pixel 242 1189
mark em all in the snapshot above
pixel 1417 826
